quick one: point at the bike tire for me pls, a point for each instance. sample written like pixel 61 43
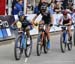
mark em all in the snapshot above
pixel 28 49
pixel 39 46
pixel 18 41
pixel 74 38
pixel 69 46
pixel 62 44
pixel 45 45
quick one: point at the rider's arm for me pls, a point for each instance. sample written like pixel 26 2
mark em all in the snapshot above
pixel 33 21
pixel 13 23
pixel 70 20
pixel 52 19
pixel 60 21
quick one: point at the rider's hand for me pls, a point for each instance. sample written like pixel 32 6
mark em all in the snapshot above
pixel 67 24
pixel 51 25
pixel 36 24
pixel 59 25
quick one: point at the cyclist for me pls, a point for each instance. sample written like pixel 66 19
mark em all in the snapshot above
pixel 46 20
pixel 26 25
pixel 66 20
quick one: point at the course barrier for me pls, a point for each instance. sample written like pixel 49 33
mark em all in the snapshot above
pixel 6 21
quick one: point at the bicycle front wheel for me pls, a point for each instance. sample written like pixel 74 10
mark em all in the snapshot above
pixel 74 37
pixel 28 49
pixel 69 45
pixel 39 45
pixel 45 44
pixel 62 44
pixel 17 49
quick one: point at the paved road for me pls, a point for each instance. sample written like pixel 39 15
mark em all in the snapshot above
pixel 54 55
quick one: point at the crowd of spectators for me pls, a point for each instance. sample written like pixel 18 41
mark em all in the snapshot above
pixel 18 6
pixel 54 6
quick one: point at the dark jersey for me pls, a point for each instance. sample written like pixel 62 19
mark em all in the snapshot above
pixel 24 22
pixel 46 15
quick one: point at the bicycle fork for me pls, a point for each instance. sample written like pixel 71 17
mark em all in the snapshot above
pixel 64 36
pixel 23 41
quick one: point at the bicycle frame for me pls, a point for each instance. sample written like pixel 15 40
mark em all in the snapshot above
pixel 64 34
pixel 23 40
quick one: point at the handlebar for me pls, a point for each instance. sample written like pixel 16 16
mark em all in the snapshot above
pixel 60 25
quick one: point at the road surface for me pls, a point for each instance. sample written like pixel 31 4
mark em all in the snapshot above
pixel 54 55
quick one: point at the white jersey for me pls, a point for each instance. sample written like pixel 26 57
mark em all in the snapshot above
pixel 65 18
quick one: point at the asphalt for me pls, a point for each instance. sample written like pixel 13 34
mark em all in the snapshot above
pixel 54 55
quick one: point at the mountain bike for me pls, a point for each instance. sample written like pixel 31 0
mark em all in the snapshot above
pixel 42 41
pixel 22 43
pixel 64 39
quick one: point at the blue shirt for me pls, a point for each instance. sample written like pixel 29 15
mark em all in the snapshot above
pixel 17 8
pixel 50 10
pixel 36 10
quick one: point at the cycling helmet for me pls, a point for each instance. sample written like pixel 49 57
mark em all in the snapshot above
pixel 65 12
pixel 21 16
pixel 43 6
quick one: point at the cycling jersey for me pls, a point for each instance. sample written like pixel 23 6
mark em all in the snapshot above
pixel 66 19
pixel 25 23
pixel 45 16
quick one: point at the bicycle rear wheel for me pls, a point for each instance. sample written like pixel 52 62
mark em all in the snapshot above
pixel 74 37
pixel 69 45
pixel 39 46
pixel 17 49
pixel 62 44
pixel 45 44
pixel 28 49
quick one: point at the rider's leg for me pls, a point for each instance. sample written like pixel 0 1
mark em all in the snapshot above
pixel 41 29
pixel 69 32
pixel 42 37
pixel 48 35
pixel 27 31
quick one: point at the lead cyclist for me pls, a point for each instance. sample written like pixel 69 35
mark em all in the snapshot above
pixel 47 20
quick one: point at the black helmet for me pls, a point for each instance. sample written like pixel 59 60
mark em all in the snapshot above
pixel 65 12
pixel 43 6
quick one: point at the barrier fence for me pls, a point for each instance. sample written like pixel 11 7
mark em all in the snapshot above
pixel 6 21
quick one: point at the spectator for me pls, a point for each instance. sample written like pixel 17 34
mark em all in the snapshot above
pixel 18 7
pixel 13 4
pixel 70 6
pixel 36 9
pixel 65 3
pixel 50 9
pixel 57 7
